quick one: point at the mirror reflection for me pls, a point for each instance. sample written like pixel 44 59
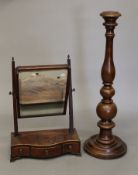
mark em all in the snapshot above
pixel 42 92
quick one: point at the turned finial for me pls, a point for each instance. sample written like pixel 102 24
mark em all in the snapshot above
pixel 113 14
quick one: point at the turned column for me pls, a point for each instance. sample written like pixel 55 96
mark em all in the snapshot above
pixel 105 145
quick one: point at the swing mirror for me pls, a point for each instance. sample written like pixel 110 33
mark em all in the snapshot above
pixel 43 91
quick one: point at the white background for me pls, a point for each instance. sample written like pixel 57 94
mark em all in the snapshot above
pixel 44 32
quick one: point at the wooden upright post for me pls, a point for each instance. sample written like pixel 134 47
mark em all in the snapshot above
pixel 14 91
pixel 71 123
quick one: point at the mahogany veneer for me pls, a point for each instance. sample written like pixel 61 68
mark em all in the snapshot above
pixel 44 144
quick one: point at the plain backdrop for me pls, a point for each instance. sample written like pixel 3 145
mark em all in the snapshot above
pixel 44 32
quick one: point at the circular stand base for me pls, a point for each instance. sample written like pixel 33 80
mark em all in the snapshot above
pixel 105 151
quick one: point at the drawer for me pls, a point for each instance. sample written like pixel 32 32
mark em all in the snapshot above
pixel 44 152
pixel 20 151
pixel 73 148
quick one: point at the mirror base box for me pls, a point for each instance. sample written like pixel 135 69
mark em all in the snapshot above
pixel 44 144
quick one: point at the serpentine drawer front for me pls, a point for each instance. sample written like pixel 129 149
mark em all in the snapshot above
pixel 46 152
pixel 21 151
pixel 71 148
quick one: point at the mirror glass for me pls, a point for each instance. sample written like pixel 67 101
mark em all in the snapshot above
pixel 42 92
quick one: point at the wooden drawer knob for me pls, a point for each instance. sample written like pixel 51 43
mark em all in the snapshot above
pixel 46 152
pixel 20 150
pixel 70 147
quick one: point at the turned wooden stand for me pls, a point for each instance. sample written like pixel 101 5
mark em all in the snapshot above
pixel 105 145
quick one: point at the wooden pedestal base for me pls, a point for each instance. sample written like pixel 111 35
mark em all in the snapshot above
pixel 115 149
pixel 44 144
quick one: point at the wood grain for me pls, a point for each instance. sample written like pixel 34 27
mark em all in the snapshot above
pixel 44 143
